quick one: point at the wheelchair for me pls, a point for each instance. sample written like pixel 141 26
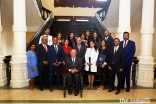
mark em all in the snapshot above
pixel 65 84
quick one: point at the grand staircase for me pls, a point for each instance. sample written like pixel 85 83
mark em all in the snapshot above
pixel 65 27
pixel 78 27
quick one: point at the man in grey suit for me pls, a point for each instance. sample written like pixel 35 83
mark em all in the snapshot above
pixel 81 50
pixel 108 39
pixel 73 67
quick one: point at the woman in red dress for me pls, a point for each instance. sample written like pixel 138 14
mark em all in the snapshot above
pixel 66 49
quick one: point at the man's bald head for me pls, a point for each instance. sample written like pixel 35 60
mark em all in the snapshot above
pixel 78 41
pixel 106 33
pixel 44 39
pixel 73 53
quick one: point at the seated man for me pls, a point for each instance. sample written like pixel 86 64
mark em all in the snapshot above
pixel 73 67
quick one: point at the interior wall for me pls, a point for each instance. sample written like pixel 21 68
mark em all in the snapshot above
pixel 68 11
pixel 29 35
pixel 7 34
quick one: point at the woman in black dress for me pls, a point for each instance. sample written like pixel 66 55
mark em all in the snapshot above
pixel 60 40
pixel 83 41
pixel 71 38
pixel 96 39
pixel 103 68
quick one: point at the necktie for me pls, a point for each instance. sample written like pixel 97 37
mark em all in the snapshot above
pixel 45 48
pixel 55 48
pixel 79 48
pixel 47 39
pixel 115 51
pixel 125 44
pixel 73 61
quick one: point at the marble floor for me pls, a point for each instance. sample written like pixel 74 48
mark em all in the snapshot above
pixel 19 96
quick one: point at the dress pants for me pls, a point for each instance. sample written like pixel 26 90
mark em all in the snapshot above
pixel 43 75
pixel 119 76
pixel 102 76
pixel 126 75
pixel 54 69
pixel 70 77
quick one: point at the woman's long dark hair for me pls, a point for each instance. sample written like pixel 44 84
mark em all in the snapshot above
pixel 60 34
pixel 31 45
pixel 105 43
pixel 95 47
pixel 84 35
pixel 97 38
pixel 65 41
pixel 69 36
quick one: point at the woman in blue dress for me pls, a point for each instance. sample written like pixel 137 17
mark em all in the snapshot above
pixel 32 65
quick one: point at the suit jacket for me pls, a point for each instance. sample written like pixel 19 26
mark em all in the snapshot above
pixel 50 42
pixel 109 41
pixel 130 51
pixel 117 60
pixel 77 64
pixel 53 56
pixel 41 54
pixel 81 53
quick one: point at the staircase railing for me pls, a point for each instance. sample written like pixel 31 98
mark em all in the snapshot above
pixel 100 16
pixel 43 11
pixel 46 15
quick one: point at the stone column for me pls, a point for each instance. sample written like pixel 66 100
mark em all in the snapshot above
pixel 19 75
pixel 3 79
pixel 124 23
pixel 145 74
pixel 124 18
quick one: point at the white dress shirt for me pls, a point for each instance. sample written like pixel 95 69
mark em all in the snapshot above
pixel 49 41
pixel 116 48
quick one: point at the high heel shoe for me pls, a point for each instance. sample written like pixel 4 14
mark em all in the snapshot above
pixel 99 87
pixel 88 86
pixel 91 86
pixel 102 87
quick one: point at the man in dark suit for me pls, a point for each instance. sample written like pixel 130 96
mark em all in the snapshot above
pixel 81 50
pixel 116 65
pixel 55 57
pixel 129 47
pixel 41 53
pixel 108 39
pixel 73 67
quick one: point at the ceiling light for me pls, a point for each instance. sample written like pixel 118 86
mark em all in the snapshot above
pixel 82 20
pixel 63 20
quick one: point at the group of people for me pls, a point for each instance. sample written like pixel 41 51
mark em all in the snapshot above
pixel 71 56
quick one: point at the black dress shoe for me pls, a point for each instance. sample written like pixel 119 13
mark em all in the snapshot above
pixel 76 92
pixel 128 89
pixel 69 91
pixel 110 90
pixel 41 88
pixel 117 92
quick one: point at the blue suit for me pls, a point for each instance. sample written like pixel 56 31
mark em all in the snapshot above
pixel 52 57
pixel 130 51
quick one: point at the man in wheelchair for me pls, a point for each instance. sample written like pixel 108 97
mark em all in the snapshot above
pixel 73 67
